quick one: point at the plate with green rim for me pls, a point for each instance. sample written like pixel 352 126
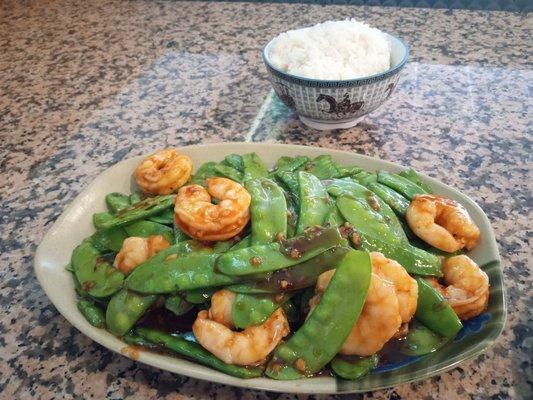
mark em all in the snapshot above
pixel 75 223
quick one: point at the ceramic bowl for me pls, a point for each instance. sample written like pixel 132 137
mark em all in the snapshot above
pixel 337 104
pixel 75 224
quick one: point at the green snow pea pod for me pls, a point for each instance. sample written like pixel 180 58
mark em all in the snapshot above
pixel 414 260
pixel 348 171
pixel 421 340
pixel 234 161
pixel 291 164
pixel 141 210
pixel 229 172
pixel 325 330
pixel 268 210
pixel 392 198
pixel 275 256
pixel 96 277
pixel 200 296
pixel 291 312
pixel 136 197
pixel 136 340
pixel 117 201
pixel 109 239
pixel 243 243
pixel 347 369
pixel 179 235
pixel 402 185
pixel 196 352
pixel 189 271
pixel 165 218
pixel 334 217
pixel 314 201
pixel 102 218
pixel 413 176
pixel 124 310
pixel 254 309
pixel 253 167
pixel 148 228
pixel 323 167
pixel 92 313
pixel 297 277
pixel 434 312
pixel 206 170
pixel 290 180
pixel 223 246
pixel 178 305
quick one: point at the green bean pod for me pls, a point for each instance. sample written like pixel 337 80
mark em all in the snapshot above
pixel 353 370
pixel 141 210
pixel 124 310
pixel 253 167
pixel 434 312
pixel 229 172
pixel 325 330
pixel 275 256
pixel 402 185
pixel 206 170
pixel 149 228
pixel 116 202
pixel 268 210
pixel 95 276
pixel 254 309
pixel 314 202
pixel 92 313
pixel 196 352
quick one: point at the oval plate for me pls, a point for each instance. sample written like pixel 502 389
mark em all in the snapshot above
pixel 54 252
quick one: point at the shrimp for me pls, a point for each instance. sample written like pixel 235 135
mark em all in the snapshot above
pixel 221 307
pixel 468 286
pixel 163 172
pixel 442 222
pixel 200 219
pixel 248 347
pixel 136 250
pixel 380 317
pixel 405 286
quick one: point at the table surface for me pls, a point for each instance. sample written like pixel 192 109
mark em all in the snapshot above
pixel 86 84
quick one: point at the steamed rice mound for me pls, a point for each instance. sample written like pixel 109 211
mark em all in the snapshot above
pixel 333 50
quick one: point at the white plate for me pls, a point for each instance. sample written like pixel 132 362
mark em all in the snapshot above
pixel 75 224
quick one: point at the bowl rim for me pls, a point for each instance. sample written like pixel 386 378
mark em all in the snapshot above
pixel 357 81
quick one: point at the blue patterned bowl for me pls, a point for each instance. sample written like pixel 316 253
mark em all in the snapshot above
pixel 337 104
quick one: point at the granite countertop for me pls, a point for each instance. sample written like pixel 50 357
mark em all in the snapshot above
pixel 86 84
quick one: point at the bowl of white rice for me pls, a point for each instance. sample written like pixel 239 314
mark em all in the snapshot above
pixel 334 73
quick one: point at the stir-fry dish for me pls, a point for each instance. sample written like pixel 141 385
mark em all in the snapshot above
pixel 307 268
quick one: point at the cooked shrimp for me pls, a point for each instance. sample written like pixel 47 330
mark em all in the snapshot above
pixel 380 317
pixel 405 286
pixel 468 286
pixel 200 219
pixel 442 222
pixel 163 172
pixel 221 307
pixel 247 347
pixel 136 250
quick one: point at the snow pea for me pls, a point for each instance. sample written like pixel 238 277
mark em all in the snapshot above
pixel 413 176
pixel 414 260
pixel 196 352
pixel 229 172
pixel 347 369
pixel 101 218
pixel 124 310
pixel 334 217
pixel 146 228
pixel 253 167
pixel 392 198
pixel 297 277
pixel 402 185
pixel 178 305
pixel 165 218
pixel 348 171
pixel 314 201
pixel 254 309
pixel 189 271
pixel 109 239
pixel 421 340
pixel 116 202
pixel 325 330
pixel 199 296
pixel 136 340
pixel 275 256
pixel 291 164
pixel 96 277
pixel 141 210
pixel 268 210
pixel 243 243
pixel 434 311
pixel 223 246
pixel 135 197
pixel 234 161
pixel 206 170
pixel 290 180
pixel 323 167
pixel 92 313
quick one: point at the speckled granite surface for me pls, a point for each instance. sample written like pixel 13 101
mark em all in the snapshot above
pixel 86 84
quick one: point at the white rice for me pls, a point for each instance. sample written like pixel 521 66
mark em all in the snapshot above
pixel 333 50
